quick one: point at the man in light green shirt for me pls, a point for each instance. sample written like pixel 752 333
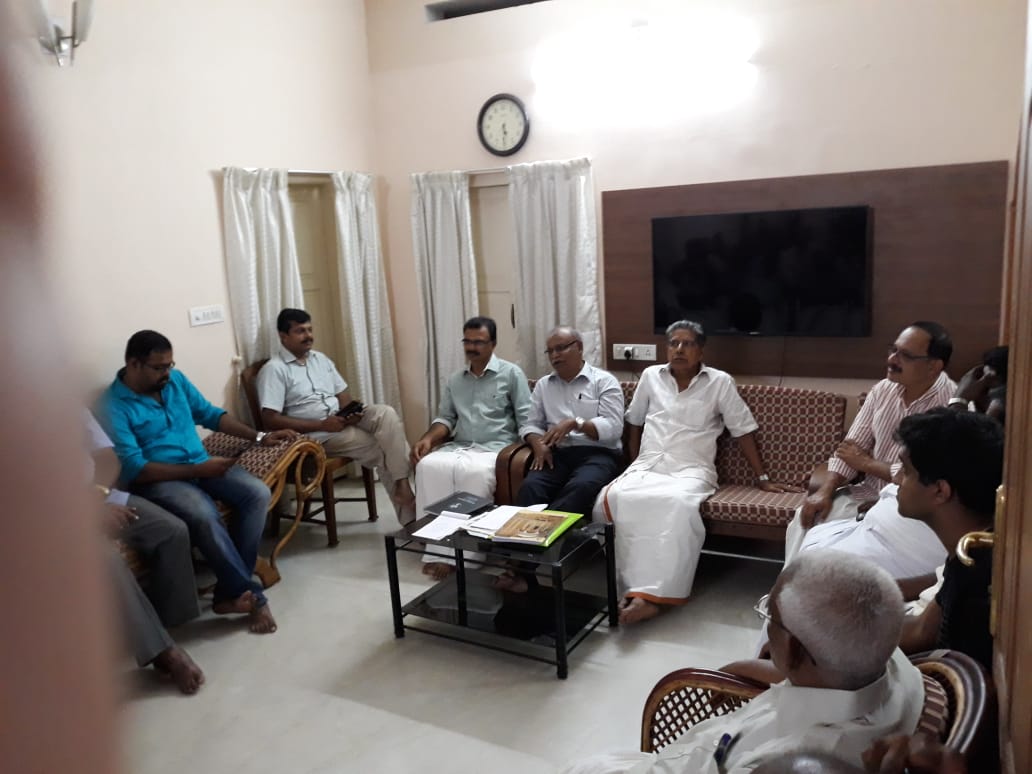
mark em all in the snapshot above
pixel 481 412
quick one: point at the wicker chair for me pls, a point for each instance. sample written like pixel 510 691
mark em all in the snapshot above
pixel 298 464
pixel 249 381
pixel 956 709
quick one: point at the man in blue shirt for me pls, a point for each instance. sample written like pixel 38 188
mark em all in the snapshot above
pixel 151 411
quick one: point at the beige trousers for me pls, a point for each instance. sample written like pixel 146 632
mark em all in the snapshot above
pixel 378 442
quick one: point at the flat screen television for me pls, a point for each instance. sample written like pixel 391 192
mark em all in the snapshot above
pixel 777 273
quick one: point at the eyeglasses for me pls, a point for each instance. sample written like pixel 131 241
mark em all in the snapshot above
pixel 560 348
pixel 682 343
pixel 906 356
pixel 474 343
pixel 161 369
pixel 762 610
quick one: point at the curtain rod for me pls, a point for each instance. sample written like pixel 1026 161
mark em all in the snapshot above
pixel 291 171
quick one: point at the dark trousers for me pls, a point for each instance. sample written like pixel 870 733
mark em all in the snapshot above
pixel 577 475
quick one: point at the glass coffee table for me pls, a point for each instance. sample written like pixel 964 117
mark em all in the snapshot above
pixel 544 623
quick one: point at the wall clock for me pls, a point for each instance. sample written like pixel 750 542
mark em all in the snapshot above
pixel 503 125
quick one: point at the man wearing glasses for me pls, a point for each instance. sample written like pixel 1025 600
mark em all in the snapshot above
pixel 916 382
pixel 300 388
pixel 676 415
pixel 481 411
pixel 842 682
pixel 574 428
pixel 151 413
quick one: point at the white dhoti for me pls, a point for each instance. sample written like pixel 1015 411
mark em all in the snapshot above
pixel 450 469
pixel 658 532
pixel 904 547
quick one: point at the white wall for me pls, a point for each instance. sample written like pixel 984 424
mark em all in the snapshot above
pixel 161 97
pixel 832 86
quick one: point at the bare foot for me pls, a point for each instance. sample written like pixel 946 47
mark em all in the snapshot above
pixel 262 621
pixel 635 609
pixel 242 604
pixel 510 581
pixel 438 570
pixel 177 664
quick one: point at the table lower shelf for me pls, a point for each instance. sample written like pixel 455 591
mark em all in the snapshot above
pixel 521 624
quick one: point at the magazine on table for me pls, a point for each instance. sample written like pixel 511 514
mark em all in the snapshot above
pixel 536 528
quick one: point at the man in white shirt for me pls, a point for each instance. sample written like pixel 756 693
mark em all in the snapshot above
pixel 916 382
pixel 574 428
pixel 838 696
pixel 676 415
pixel 300 389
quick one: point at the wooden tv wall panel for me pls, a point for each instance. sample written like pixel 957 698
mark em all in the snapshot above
pixel 937 255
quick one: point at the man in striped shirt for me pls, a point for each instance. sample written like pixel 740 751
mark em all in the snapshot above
pixel 833 515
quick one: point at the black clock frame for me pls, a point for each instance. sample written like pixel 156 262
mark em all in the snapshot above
pixel 526 124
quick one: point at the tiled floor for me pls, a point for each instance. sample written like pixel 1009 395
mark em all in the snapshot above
pixel 334 691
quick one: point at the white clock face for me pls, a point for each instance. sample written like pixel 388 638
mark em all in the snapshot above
pixel 503 125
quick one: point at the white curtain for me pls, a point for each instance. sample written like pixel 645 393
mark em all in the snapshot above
pixel 553 206
pixel 373 372
pixel 442 240
pixel 261 257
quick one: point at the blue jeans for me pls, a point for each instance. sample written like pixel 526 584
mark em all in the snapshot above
pixel 231 553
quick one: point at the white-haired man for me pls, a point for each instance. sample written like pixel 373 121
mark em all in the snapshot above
pixel 836 696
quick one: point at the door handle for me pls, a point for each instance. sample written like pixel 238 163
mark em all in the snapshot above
pixel 971 541
pixel 512 315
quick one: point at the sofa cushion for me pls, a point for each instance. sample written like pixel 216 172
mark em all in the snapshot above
pixel 749 505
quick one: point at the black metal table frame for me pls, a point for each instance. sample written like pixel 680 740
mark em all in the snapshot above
pixel 502 555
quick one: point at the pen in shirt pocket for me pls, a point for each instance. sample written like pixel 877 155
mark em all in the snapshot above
pixel 723 750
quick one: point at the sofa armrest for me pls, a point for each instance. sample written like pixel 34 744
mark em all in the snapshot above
pixel 511 468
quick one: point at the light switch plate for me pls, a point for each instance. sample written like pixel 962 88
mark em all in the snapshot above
pixel 634 352
pixel 206 315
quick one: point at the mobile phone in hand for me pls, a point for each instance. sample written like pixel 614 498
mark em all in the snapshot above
pixel 355 407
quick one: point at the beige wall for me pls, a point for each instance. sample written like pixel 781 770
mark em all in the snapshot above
pixel 162 96
pixel 833 85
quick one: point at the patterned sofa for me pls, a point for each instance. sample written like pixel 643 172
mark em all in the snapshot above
pixel 798 430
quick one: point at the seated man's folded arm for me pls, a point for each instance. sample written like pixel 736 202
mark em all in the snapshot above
pixel 912 587
pixel 921 632
pixel 520 395
pixel 274 420
pixel 633 441
pixel 608 425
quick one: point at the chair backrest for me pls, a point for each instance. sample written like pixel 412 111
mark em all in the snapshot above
pixel 688 696
pixel 958 696
pixel 969 695
pixel 799 429
pixel 249 381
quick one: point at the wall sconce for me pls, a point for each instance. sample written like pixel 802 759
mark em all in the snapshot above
pixel 53 35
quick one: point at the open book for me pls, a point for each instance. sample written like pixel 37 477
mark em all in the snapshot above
pixel 537 528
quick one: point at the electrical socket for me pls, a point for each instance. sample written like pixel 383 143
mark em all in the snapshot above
pixel 206 315
pixel 634 352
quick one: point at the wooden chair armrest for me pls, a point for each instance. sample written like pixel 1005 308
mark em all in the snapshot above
pixel 511 466
pixel 686 697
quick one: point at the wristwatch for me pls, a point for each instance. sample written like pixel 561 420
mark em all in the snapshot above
pixel 579 421
pixel 763 477
pixel 258 438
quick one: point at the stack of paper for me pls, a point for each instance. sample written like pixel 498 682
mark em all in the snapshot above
pixel 483 526
pixel 486 524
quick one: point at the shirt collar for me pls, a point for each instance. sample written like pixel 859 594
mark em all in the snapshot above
pixel 585 372
pixel 492 365
pixel 796 706
pixel 289 357
pixel 936 386
pixel 123 391
pixel 703 369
